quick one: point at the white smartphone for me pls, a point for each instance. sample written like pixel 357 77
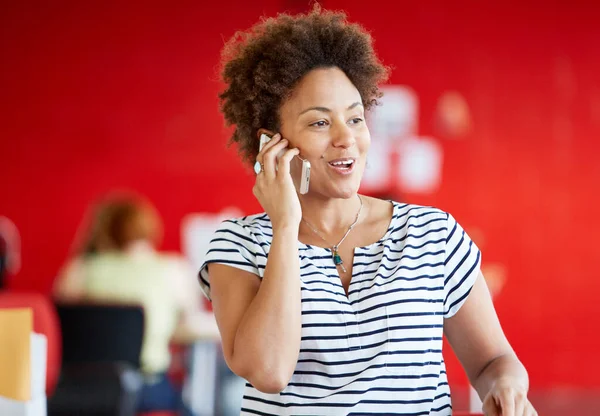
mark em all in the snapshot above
pixel 305 175
pixel 264 139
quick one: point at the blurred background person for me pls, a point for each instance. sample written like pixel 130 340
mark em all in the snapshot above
pixel 119 263
pixel 10 250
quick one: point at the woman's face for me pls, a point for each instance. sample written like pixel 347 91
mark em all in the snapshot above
pixel 324 118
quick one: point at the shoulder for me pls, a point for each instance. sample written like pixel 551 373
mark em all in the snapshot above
pixel 70 282
pixel 256 223
pixel 250 230
pixel 174 262
pixel 413 215
pixel 418 223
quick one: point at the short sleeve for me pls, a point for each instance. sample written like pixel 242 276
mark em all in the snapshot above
pixel 233 245
pixel 461 267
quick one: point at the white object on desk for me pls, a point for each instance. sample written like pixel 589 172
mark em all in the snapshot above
pixel 200 386
pixel 36 406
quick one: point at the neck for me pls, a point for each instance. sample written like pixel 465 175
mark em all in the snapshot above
pixel 331 217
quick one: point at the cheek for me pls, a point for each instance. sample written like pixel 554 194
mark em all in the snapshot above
pixel 313 149
pixel 298 141
pixel 364 142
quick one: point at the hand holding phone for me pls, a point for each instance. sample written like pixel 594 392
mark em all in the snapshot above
pixel 305 175
pixel 275 189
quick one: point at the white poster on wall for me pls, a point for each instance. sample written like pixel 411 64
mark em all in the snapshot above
pixel 399 159
pixel 197 230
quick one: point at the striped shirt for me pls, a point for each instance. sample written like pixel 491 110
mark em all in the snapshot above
pixel 378 349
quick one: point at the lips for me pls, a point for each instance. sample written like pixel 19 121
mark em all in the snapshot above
pixel 343 165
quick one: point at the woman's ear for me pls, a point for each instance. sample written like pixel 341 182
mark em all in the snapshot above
pixel 262 131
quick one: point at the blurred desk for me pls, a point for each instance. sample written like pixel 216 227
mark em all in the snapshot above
pixel 210 387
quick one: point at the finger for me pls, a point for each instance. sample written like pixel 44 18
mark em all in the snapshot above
pixel 286 159
pixel 274 140
pixel 269 157
pixel 507 403
pixel 520 402
pixel 489 407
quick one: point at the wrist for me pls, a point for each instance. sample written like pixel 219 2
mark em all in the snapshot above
pixel 284 228
pixel 514 382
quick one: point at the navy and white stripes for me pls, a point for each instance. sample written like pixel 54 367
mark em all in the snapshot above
pixel 377 350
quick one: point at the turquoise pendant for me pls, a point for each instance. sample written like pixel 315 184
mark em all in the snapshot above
pixel 337 260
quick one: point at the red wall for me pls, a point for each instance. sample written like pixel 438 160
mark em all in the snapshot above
pixel 115 95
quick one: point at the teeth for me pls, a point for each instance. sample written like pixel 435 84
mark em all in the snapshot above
pixel 345 162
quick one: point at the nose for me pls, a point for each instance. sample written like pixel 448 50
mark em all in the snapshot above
pixel 343 136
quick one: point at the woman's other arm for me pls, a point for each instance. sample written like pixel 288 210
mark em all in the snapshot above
pixel 492 366
pixel 260 321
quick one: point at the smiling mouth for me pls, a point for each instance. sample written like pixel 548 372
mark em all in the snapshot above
pixel 343 165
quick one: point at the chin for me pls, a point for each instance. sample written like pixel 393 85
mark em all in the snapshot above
pixel 345 192
pixel 344 188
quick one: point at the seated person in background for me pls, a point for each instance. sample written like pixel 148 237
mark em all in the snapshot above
pixel 10 251
pixel 120 264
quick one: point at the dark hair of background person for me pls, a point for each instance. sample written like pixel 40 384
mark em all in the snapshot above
pixel 120 220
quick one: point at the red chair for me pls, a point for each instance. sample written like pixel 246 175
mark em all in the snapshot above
pixel 45 321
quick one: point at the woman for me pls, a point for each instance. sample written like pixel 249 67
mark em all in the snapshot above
pixel 119 263
pixel 332 302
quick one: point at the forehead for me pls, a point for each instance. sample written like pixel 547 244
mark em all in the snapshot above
pixel 323 87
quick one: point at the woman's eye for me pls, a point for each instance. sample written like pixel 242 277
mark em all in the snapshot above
pixel 320 123
pixel 356 120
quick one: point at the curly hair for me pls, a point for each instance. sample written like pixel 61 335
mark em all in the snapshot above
pixel 262 66
pixel 119 219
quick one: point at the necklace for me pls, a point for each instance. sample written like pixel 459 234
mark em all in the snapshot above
pixel 337 259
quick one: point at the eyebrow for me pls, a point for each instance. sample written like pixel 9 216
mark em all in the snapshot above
pixel 327 110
